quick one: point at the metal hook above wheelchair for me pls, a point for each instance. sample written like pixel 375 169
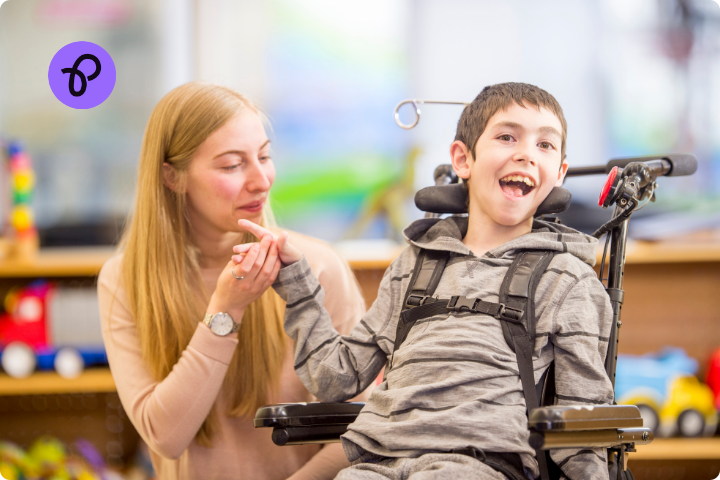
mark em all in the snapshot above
pixel 416 103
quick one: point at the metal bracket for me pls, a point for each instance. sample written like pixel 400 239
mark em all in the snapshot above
pixel 416 103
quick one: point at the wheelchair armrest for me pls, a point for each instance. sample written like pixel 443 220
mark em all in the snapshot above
pixel 596 426
pixel 300 423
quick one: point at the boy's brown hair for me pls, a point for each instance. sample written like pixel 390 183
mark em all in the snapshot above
pixel 495 98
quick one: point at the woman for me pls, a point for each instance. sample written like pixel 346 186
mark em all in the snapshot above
pixel 190 379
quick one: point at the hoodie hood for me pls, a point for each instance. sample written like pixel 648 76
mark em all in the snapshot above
pixel 446 234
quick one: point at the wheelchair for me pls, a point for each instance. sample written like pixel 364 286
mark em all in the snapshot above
pixel 630 184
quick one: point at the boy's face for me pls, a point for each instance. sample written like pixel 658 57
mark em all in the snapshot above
pixel 517 163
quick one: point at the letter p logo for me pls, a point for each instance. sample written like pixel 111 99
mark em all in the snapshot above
pixel 82 75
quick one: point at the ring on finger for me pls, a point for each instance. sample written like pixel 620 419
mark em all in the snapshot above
pixel 232 270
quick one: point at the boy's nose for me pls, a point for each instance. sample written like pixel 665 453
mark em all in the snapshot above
pixel 524 154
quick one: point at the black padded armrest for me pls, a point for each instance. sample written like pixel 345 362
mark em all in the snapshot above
pixel 597 426
pixel 572 418
pixel 300 423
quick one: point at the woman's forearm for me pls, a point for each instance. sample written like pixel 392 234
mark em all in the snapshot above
pixel 168 414
pixel 325 465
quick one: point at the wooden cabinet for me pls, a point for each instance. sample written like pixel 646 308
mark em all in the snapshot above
pixel 85 407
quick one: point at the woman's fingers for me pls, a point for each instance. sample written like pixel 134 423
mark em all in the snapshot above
pixel 243 247
pixel 273 274
pixel 244 266
pixel 255 229
pixel 265 244
pixel 270 261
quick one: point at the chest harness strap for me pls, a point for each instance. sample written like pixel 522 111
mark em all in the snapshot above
pixel 516 312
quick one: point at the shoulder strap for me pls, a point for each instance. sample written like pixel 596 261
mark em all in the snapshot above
pixel 429 268
pixel 518 291
pixel 519 286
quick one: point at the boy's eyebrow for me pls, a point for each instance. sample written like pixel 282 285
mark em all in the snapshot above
pixel 551 130
pixel 546 129
pixel 240 152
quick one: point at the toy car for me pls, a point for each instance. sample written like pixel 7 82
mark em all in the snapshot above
pixel 670 398
pixel 26 336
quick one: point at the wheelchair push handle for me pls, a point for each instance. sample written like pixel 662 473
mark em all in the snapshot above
pixel 671 165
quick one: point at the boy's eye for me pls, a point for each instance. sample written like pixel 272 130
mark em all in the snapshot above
pixel 505 138
pixel 547 145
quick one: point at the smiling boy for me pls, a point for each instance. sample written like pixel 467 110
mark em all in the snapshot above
pixel 451 404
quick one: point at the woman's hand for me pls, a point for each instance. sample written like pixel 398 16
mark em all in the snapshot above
pixel 287 252
pixel 258 269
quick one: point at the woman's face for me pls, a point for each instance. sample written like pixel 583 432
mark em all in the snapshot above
pixel 230 175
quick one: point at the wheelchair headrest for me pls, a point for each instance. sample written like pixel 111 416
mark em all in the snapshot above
pixel 452 199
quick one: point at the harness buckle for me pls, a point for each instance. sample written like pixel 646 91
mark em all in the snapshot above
pixel 458 302
pixel 510 314
pixel 416 300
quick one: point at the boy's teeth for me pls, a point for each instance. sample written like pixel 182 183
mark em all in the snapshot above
pixel 519 178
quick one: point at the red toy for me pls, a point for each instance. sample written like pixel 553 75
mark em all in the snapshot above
pixel 26 317
pixel 713 376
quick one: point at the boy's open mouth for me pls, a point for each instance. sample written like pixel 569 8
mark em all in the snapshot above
pixel 517 185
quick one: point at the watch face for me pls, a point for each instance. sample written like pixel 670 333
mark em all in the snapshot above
pixel 221 324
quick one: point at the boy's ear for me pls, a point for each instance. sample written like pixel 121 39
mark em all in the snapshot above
pixel 169 176
pixel 462 159
pixel 561 174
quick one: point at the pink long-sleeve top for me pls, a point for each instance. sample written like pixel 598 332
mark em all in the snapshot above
pixel 168 414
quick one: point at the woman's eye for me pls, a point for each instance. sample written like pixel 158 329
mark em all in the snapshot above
pixel 265 158
pixel 231 167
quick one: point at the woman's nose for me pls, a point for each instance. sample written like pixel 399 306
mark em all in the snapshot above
pixel 257 178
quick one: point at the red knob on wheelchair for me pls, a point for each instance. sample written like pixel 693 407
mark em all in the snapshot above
pixel 606 197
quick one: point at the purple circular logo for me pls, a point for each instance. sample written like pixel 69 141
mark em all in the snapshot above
pixel 82 75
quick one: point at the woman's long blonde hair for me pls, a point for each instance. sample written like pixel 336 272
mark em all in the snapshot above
pixel 160 266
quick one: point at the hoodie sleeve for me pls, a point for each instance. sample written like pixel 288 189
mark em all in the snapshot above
pixel 332 367
pixel 581 330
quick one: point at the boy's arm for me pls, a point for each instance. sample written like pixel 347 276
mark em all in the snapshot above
pixel 581 328
pixel 332 367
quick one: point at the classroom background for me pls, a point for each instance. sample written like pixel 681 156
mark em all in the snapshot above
pixel 634 77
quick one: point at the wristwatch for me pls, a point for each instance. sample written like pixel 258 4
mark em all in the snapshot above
pixel 221 323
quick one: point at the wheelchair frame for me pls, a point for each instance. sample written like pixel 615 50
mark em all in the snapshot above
pixel 616 427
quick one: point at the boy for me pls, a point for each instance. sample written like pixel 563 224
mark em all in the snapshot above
pixel 454 385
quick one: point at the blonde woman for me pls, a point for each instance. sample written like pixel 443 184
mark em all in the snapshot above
pixel 193 333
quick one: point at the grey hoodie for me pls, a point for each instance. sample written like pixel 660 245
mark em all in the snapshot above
pixel 454 382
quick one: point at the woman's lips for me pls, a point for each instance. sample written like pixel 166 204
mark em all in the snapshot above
pixel 253 207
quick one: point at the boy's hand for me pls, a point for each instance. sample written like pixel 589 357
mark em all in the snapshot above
pixel 287 252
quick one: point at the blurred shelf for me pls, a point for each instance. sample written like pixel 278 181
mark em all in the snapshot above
pixel 679 449
pixel 638 252
pixel 45 383
pixel 59 262
pixel 87 261
pixel 671 252
pixel 370 264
